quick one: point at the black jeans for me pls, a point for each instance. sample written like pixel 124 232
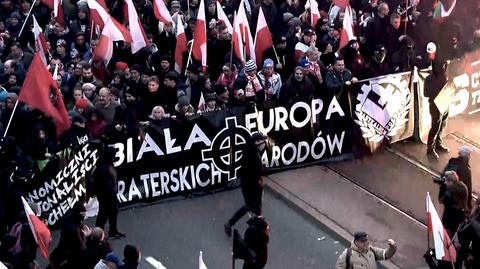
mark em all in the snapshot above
pixel 438 125
pixel 107 210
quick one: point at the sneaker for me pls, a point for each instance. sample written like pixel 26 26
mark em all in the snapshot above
pixel 442 149
pixel 228 229
pixel 432 154
pixel 116 235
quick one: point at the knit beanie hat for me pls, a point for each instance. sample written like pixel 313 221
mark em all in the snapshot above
pixel 250 66
pixel 81 103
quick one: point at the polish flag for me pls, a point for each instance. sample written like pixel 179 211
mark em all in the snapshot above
pixel 40 42
pixel 57 6
pixel 223 18
pixel 347 32
pixel 263 37
pixel 136 28
pixel 181 46
pixel 100 15
pixel 300 50
pixel 199 49
pixel 40 231
pixel 110 33
pixel 314 13
pixel 161 12
pixel 246 34
pixel 237 40
pixel 444 249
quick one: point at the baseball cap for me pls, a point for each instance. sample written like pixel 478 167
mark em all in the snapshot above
pixel 268 63
pixel 464 151
pixel 431 47
pixel 111 257
pixel 360 236
pixel 308 31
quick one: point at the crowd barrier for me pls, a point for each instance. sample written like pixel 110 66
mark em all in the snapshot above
pixel 202 153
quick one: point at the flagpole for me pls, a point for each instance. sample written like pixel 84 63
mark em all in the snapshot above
pixel 91 32
pixel 448 249
pixel 16 102
pixel 406 17
pixel 233 254
pixel 26 19
pixel 189 56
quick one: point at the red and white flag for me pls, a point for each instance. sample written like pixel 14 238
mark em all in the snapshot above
pixel 237 40
pixel 136 28
pixel 314 12
pixel 444 249
pixel 245 32
pixel 347 31
pixel 57 6
pixel 199 49
pixel 104 49
pixel 223 18
pixel 40 91
pixel 100 15
pixel 161 12
pixel 40 231
pixel 263 37
pixel 181 46
pixel 300 50
pixel 40 41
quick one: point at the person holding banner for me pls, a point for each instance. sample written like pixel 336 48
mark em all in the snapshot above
pixel 251 176
pixel 434 84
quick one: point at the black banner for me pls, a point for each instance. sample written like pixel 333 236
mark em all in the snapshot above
pixel 62 182
pixel 203 152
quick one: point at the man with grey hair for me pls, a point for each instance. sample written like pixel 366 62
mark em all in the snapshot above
pixel 106 105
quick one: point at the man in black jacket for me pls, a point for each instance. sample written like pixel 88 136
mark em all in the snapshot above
pixel 251 176
pixel 256 238
pixel 434 84
pixel 105 180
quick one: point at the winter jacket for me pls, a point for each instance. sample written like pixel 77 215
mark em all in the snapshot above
pixel 364 260
pixel 464 174
pixel 274 82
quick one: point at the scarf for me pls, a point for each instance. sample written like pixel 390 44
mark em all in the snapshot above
pixel 253 86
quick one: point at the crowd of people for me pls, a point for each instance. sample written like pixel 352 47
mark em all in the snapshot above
pixel 138 91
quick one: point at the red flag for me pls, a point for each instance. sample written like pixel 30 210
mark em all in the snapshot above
pixel 263 38
pixel 341 3
pixel 199 49
pixel 40 231
pixel 39 89
pixel 444 249
pixel 314 12
pixel 161 12
pixel 237 40
pixel 246 34
pixel 136 28
pixel 40 42
pixel 347 31
pixel 181 46
pixel 100 15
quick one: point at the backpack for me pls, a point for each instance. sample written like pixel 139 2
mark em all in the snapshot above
pixel 349 256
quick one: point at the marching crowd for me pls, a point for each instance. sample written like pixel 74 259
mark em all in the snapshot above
pixel 135 92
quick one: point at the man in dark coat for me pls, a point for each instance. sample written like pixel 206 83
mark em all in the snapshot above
pixel 461 166
pixel 453 196
pixel 434 84
pixel 251 175
pixel 337 81
pixel 256 238
pixel 105 180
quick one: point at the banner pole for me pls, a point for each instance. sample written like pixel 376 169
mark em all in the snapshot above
pixel 189 56
pixel 233 255
pixel 10 120
pixel 26 19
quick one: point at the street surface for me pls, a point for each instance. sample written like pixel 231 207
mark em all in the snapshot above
pixel 174 232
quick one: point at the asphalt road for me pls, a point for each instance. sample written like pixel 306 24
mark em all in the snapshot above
pixel 174 233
